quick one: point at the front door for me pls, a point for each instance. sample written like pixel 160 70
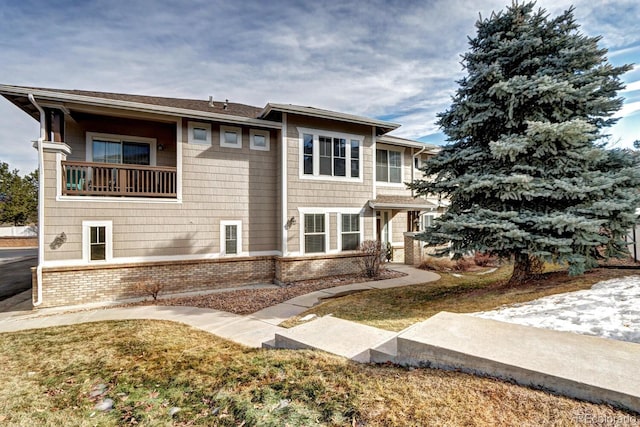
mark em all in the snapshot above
pixel 383 226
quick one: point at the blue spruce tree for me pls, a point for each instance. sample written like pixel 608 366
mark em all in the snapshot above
pixel 525 168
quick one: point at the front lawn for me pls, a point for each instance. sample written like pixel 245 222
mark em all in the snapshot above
pixel 151 369
pixel 397 308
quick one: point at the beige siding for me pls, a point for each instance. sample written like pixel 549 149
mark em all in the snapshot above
pixel 218 184
pixel 327 193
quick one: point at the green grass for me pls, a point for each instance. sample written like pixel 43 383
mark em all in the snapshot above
pixel 397 308
pixel 148 367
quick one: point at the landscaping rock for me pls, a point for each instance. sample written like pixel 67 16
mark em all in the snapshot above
pixel 104 405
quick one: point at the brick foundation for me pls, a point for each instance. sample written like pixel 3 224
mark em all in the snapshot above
pixel 65 286
pixel 88 284
pixel 304 268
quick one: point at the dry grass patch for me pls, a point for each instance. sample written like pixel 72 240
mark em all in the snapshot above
pixel 148 367
pixel 397 308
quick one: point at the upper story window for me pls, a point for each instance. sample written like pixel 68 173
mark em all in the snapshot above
pixel 259 139
pixel 230 137
pixel 120 149
pixel 326 154
pixel 389 166
pixel 199 133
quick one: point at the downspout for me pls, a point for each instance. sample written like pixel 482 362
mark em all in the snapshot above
pixel 43 136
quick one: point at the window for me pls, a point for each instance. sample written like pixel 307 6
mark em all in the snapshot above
pixel 389 166
pixel 230 137
pixel 350 232
pixel 96 238
pixel 121 152
pixel 426 221
pixel 199 133
pixel 98 244
pixel 120 149
pixel 355 158
pixel 314 233
pixel 230 237
pixel 325 155
pixel 259 139
pixel 308 153
pixel 329 154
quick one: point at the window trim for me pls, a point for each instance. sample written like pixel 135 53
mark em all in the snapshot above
pixel 327 211
pixel 267 136
pixel 119 138
pixel 402 166
pixel 303 248
pixel 86 241
pixel 223 246
pixel 340 232
pixel 192 125
pixel 316 134
pixel 223 141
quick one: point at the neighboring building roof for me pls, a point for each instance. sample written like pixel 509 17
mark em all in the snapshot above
pixel 384 126
pixel 394 140
pixel 401 203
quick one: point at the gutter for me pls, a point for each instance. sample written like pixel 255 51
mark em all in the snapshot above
pixel 43 135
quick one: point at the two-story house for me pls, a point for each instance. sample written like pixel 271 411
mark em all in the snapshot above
pixel 202 195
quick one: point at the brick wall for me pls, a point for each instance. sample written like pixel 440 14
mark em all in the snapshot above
pixel 303 268
pixel 18 242
pixel 82 285
pixel 65 286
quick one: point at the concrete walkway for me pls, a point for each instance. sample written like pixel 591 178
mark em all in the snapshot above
pixel 251 330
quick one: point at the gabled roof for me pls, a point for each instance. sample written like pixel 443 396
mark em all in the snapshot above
pixel 235 112
pixel 382 125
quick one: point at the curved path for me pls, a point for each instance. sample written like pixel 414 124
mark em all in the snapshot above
pixel 252 330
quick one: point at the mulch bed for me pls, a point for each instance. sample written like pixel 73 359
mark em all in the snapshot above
pixel 247 301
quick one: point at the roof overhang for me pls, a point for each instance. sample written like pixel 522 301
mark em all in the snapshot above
pixel 382 126
pixel 18 96
pixel 394 140
pixel 402 204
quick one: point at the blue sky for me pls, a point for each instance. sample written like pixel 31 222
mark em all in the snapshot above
pixel 395 60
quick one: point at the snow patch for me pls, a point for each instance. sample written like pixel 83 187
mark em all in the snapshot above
pixel 610 309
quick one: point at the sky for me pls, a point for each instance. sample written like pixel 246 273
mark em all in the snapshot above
pixel 395 60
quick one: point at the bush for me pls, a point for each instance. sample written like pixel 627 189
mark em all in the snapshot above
pixel 150 287
pixel 373 257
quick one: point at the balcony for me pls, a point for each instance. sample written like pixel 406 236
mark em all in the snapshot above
pixel 119 180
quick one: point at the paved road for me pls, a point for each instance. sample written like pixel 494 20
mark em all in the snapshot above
pixel 15 270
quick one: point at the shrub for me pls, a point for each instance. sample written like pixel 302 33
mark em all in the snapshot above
pixel 373 257
pixel 150 287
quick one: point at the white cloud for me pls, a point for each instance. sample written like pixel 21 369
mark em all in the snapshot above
pixel 385 59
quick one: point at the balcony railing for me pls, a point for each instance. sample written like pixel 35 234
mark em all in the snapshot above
pixel 107 179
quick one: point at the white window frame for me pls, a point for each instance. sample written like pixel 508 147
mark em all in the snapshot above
pixel 317 133
pixel 388 183
pixel 119 138
pixel 86 241
pixel 264 133
pixel 360 231
pixel 199 125
pixel 223 246
pixel 223 140
pixel 303 248
pixel 327 211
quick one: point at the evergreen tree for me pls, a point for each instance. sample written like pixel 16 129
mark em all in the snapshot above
pixel 18 196
pixel 525 169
